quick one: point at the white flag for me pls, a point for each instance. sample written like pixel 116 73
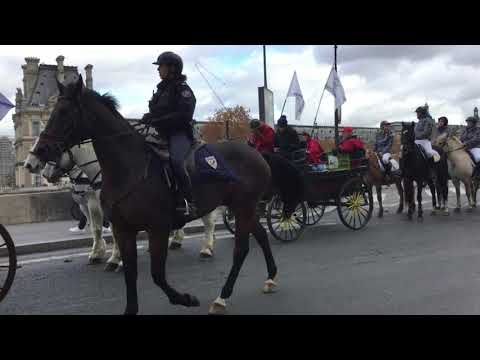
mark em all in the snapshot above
pixel 5 106
pixel 294 90
pixel 334 86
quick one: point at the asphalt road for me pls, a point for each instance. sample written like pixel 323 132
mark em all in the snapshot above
pixel 391 267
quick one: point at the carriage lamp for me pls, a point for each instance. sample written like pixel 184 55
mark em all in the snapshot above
pixel 475 112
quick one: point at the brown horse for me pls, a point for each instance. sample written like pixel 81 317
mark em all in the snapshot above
pixel 137 196
pixel 375 178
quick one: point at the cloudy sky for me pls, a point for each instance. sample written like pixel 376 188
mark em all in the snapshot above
pixel 381 82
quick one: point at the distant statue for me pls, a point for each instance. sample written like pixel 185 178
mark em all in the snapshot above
pixel 19 95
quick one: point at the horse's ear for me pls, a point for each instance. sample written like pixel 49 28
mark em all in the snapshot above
pixel 79 86
pixel 61 87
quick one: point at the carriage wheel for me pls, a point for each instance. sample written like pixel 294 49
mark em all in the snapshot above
pixel 229 220
pixel 314 213
pixel 355 204
pixel 280 227
pixel 8 264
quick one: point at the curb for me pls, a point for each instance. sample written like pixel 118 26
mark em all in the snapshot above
pixel 86 241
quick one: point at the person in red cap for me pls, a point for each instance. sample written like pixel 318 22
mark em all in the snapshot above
pixel 263 137
pixel 314 149
pixel 350 144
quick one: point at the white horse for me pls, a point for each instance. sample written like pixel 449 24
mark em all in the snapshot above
pixel 85 158
pixel 460 167
pixel 89 202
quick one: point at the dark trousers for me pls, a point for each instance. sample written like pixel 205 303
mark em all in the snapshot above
pixel 179 145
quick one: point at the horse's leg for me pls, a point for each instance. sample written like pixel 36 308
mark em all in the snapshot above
pixel 434 193
pixel 96 227
pixel 244 225
pixel 399 186
pixel 378 188
pixel 113 263
pixel 209 241
pixel 456 184
pixel 468 190
pixel 178 237
pixel 261 236
pixel 409 197
pixel 127 242
pixel 158 244
pixel 419 201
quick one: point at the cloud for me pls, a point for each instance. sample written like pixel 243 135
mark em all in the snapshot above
pixel 381 82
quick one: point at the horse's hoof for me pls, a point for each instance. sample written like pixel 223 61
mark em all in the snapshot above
pixel 434 212
pixel 110 267
pixel 399 211
pixel 174 245
pixel 457 210
pixel 95 261
pixel 206 254
pixel 269 287
pixel 191 301
pixel 219 307
pixel 131 311
pixel 380 215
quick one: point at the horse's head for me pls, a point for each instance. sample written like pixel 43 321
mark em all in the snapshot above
pixel 32 162
pixel 54 171
pixel 441 141
pixel 66 125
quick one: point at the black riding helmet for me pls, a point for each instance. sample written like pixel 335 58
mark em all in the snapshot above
pixel 282 122
pixel 444 119
pixel 170 58
pixel 254 124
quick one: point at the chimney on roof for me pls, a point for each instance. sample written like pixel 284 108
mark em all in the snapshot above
pixel 30 73
pixel 60 68
pixel 89 78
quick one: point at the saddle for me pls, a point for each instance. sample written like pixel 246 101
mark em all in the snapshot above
pixel 158 146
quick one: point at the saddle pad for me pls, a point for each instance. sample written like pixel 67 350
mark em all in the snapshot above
pixel 210 167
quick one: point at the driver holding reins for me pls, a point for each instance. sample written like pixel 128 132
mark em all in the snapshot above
pixel 171 114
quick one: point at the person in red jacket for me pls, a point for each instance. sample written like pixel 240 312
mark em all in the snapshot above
pixel 350 144
pixel 314 149
pixel 263 137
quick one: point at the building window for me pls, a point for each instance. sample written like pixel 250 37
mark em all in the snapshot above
pixel 36 127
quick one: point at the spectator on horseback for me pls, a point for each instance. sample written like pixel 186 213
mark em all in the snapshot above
pixel 442 126
pixel 171 114
pixel 424 132
pixel 286 138
pixel 263 136
pixel 350 144
pixel 471 141
pixel 313 149
pixel 383 146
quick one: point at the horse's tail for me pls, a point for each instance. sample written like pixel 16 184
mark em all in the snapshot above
pixel 287 180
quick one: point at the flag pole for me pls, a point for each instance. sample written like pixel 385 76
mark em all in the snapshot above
pixel 337 137
pixel 286 97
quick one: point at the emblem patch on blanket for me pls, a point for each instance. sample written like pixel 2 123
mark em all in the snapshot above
pixel 210 167
pixel 211 161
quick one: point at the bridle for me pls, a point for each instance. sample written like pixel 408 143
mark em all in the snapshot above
pixel 59 144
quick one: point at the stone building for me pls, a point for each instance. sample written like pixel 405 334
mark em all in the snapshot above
pixel 7 162
pixel 33 106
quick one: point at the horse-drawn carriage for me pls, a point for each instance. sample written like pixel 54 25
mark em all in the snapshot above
pixel 8 262
pixel 342 185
